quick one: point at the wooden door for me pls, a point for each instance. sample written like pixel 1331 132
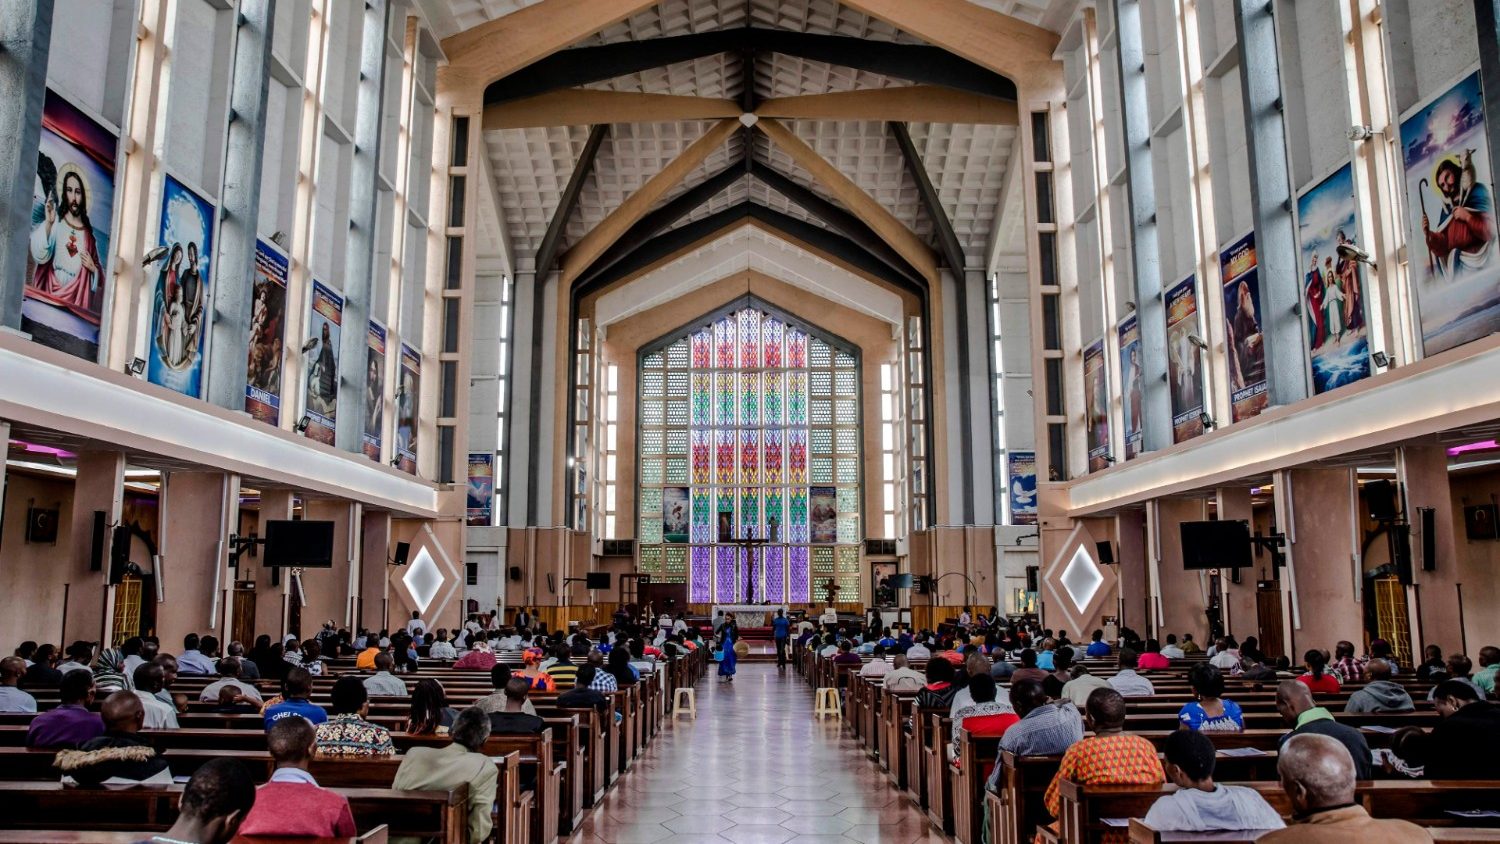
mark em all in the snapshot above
pixel 243 628
pixel 1268 619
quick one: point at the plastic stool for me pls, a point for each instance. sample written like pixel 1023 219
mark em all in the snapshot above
pixel 691 696
pixel 828 703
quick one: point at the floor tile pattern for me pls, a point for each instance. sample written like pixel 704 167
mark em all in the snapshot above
pixel 755 767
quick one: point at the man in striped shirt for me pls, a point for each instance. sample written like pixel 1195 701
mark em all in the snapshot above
pixel 564 672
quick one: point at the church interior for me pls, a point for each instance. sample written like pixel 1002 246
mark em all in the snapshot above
pixel 759 342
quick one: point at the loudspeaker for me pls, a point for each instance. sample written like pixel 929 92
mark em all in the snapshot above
pixel 96 547
pixel 1381 496
pixel 403 550
pixel 1429 538
pixel 1106 552
pixel 119 554
pixel 1033 579
pixel 515 573
pixel 1401 552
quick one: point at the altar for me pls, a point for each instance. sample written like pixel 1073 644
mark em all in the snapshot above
pixel 750 615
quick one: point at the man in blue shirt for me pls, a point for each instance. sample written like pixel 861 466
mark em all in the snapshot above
pixel 781 628
pixel 296 690
pixel 1098 647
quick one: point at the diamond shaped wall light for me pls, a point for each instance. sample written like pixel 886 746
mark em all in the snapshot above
pixel 1081 579
pixel 423 579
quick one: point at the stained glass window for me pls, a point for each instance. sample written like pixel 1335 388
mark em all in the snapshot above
pixel 750 430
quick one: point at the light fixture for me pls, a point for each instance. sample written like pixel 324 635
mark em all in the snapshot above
pixel 1081 578
pixel 1349 252
pixel 396 461
pixel 423 579
pixel 1359 133
pixel 136 366
pixel 1208 421
pixel 280 239
pixel 303 424
pixel 1197 341
pixel 1381 359
pixel 154 255
pixel 312 343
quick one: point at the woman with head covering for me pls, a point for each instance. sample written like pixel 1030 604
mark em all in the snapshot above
pixel 109 672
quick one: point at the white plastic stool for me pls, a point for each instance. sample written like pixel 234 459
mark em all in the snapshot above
pixel 828 703
pixel 691 696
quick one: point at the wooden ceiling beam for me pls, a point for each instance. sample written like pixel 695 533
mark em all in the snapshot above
pixel 909 104
pixel 583 253
pixel 854 198
pixel 578 107
pixel 498 48
pixel 1009 46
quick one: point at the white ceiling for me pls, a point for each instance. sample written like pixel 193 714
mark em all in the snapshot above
pixel 530 167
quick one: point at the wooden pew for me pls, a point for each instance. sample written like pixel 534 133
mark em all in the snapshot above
pixel 1142 834
pixel 378 835
pixel 52 806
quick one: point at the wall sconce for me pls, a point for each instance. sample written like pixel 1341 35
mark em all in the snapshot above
pixel 136 366
pixel 303 424
pixel 1208 421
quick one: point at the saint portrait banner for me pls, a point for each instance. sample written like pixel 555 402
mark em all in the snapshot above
pixel 1184 360
pixel 675 509
pixel 324 324
pixel 1096 405
pixel 180 305
pixel 1450 217
pixel 1022 470
pixel 1333 289
pixel 406 409
pixel 267 317
pixel 1131 384
pixel 373 436
pixel 1242 335
pixel 823 515
pixel 72 212
pixel 481 494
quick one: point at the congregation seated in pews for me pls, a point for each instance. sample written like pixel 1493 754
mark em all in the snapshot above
pixel 1215 741
pixel 410 746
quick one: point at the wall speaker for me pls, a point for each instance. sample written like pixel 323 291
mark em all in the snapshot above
pixel 96 546
pixel 1106 552
pixel 515 574
pixel 1429 538
pixel 1401 552
pixel 1381 498
pixel 119 554
pixel 403 551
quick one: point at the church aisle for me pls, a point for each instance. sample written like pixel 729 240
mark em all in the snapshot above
pixel 756 768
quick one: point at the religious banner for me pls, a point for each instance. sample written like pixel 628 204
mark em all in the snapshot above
pixel 1022 487
pixel 325 324
pixel 481 492
pixel 1096 406
pixel 1242 337
pixel 823 519
pixel 406 409
pixel 180 303
pixel 72 210
pixel 1450 210
pixel 674 513
pixel 1131 382
pixel 1333 290
pixel 374 434
pixel 267 312
pixel 1184 360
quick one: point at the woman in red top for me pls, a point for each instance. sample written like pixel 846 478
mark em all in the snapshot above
pixel 1318 682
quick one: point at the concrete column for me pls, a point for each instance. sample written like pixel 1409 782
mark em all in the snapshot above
pixel 25 39
pixel 239 208
pixel 271 599
pixel 327 590
pixel 1134 604
pixel 100 486
pixel 1423 474
pixel 1239 598
pixel 1140 187
pixel 1182 595
pixel 359 259
pixel 1271 202
pixel 1323 576
pixel 193 553
pixel 374 574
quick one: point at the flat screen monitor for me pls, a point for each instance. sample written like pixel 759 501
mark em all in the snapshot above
pixel 305 544
pixel 1216 545
pixel 901 581
pixel 597 580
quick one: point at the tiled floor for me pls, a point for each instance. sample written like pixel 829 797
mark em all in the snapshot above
pixel 755 767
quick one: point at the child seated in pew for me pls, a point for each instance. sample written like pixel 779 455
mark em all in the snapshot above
pixel 1200 804
pixel 291 803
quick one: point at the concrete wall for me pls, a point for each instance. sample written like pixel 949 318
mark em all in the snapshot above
pixel 28 571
